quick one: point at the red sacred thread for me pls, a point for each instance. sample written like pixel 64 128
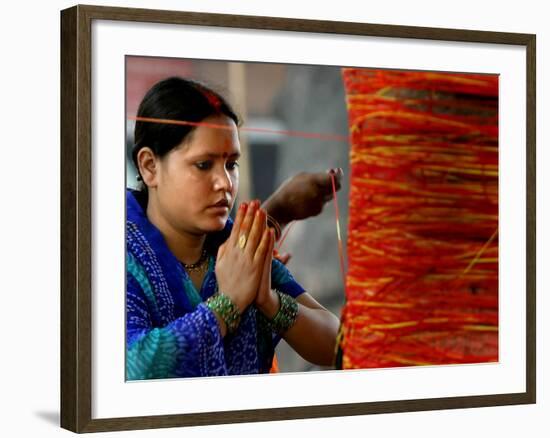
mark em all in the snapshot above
pixel 285 234
pixel 338 234
pixel 422 280
pixel 302 134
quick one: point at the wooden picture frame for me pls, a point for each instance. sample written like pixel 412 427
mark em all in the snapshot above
pixel 76 217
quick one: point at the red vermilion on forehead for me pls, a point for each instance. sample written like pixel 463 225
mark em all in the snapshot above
pixel 213 100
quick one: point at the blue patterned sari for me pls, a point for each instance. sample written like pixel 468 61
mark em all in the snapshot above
pixel 169 330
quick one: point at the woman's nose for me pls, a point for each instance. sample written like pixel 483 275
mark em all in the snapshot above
pixel 223 180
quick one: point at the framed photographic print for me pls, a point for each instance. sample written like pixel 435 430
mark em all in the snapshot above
pixel 396 166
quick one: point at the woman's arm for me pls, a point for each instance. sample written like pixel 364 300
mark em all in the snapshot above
pixel 313 335
pixel 314 332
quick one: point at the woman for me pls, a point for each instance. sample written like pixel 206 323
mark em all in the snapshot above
pixel 204 296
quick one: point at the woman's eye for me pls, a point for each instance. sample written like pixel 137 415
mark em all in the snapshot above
pixel 232 165
pixel 203 165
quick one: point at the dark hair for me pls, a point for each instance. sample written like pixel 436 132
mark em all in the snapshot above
pixel 175 98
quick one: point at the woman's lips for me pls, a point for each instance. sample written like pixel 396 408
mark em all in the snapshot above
pixel 221 207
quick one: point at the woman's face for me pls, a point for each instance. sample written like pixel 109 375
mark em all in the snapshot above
pixel 198 180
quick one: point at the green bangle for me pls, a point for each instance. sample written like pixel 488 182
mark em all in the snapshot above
pixel 224 307
pixel 286 316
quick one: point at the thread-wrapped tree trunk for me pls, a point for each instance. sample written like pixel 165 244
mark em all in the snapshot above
pixel 422 281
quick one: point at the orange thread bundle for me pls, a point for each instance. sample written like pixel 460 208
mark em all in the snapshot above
pixel 422 280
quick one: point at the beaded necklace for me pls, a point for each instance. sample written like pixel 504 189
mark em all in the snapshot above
pixel 198 266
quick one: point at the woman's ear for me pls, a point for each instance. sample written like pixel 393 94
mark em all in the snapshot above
pixel 148 166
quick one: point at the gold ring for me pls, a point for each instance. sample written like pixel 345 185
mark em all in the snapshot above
pixel 242 241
